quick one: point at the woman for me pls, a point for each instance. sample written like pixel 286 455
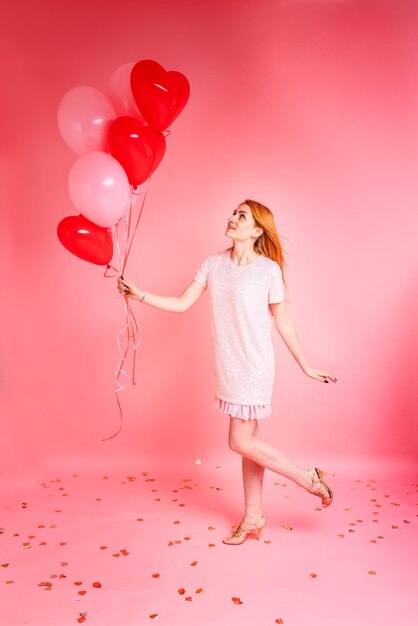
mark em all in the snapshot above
pixel 246 289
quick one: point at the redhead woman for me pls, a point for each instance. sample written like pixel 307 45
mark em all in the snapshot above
pixel 246 288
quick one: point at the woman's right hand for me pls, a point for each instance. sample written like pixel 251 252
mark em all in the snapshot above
pixel 127 288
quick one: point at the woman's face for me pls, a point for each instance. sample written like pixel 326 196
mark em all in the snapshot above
pixel 241 224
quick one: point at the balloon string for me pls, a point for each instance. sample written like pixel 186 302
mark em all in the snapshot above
pixel 131 329
pixel 136 225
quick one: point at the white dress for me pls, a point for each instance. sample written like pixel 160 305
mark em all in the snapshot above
pixel 241 325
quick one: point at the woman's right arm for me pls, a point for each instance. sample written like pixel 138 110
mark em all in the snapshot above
pixel 175 304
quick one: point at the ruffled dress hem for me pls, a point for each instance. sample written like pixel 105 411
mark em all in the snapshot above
pixel 243 411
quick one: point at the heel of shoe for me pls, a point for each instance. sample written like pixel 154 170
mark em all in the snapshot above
pixel 260 529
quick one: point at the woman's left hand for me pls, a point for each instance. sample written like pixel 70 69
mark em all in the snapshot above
pixel 322 376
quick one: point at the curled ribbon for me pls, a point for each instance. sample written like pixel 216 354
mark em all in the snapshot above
pixel 131 329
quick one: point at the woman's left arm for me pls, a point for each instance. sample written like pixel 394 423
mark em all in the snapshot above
pixel 287 332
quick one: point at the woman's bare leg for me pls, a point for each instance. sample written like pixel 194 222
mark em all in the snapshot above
pixel 252 474
pixel 243 441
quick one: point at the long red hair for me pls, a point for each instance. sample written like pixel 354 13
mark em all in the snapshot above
pixel 269 243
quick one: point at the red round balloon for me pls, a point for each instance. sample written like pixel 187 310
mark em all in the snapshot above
pixel 138 148
pixel 86 240
pixel 160 95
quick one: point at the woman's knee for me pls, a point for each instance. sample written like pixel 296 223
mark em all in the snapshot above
pixel 240 434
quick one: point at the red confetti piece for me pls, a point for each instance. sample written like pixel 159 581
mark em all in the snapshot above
pixel 194 563
pixel 124 552
pixel 189 598
pixel 181 591
pixel 97 584
pixel 372 572
pixel 200 590
pixel 103 547
pixel 78 582
pixel 313 575
pixel 278 620
pixel 154 616
pixel 236 600
pixel 155 575
pixel 211 545
pixel 5 564
pixel 116 554
pixel 82 592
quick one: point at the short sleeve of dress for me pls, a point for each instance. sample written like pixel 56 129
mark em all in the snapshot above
pixel 202 273
pixel 276 289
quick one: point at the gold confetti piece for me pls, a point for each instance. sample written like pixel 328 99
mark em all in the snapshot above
pixel 194 563
pixel 278 620
pixel 189 598
pixel 394 526
pixel 154 616
pixel 313 575
pixel 97 584
pixel 42 543
pixel 9 582
pixel 352 524
pixel 211 527
pixel 218 467
pixel 380 536
pixel 155 575
pixel 103 547
pixel 116 554
pixel 267 541
pixel 171 543
pixel 371 572
pixel 47 584
pixel 341 535
pixel 145 473
pixel 200 590
pixel 64 563
pixel 63 543
pixel 124 552
pixel 176 521
pixel 318 508
pixel 347 509
pixel 82 592
pixel 287 527
pixel 131 478
pixel 78 582
pixel 236 600
pixel 139 519
pixel 211 545
pixel 372 540
pixel 26 544
pixel 181 591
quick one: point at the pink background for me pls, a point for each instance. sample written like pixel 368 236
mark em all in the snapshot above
pixel 309 107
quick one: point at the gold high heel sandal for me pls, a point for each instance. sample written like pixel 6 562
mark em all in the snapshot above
pixel 316 488
pixel 240 534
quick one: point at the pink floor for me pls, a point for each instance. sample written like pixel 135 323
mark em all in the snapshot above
pixel 152 538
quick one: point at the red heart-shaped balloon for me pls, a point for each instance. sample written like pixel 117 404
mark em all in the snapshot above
pixel 159 95
pixel 86 240
pixel 139 149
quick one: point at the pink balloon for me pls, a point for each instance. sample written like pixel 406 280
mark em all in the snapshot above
pixel 84 117
pixel 120 93
pixel 99 188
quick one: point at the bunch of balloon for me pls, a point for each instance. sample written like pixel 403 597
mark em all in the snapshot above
pixel 120 140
